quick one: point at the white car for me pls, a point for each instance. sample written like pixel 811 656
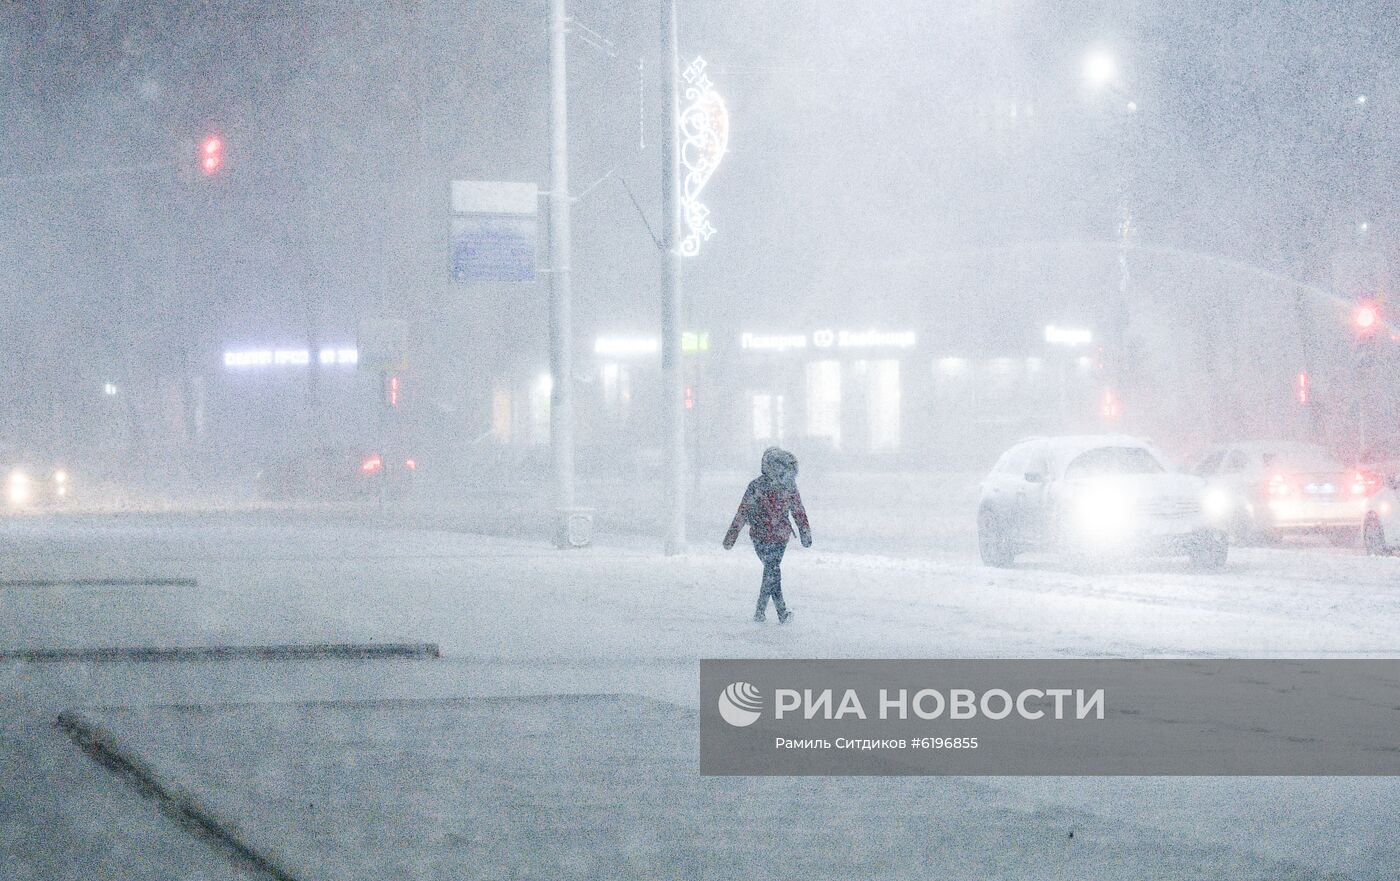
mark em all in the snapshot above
pixel 1094 495
pixel 1381 532
pixel 1277 488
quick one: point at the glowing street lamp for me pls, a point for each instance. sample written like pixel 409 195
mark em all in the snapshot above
pixel 1100 69
pixel 1366 317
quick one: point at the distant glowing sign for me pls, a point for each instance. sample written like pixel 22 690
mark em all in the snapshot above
pixel 253 358
pixel 1068 336
pixel 773 342
pixel 875 339
pixel 826 339
pixel 704 134
pixel 692 342
pixel 243 358
pixel 621 346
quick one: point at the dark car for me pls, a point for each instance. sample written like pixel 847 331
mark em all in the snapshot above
pixel 337 474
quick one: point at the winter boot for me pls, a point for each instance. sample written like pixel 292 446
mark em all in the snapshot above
pixel 785 616
pixel 759 617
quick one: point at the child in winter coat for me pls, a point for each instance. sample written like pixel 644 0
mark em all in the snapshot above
pixel 766 505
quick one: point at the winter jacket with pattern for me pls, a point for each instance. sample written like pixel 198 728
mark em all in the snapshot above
pixel 765 508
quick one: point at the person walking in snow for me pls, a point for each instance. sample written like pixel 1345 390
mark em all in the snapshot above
pixel 766 506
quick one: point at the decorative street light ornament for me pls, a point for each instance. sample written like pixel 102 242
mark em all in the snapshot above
pixel 704 132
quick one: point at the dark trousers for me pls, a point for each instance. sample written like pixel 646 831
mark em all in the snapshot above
pixel 772 556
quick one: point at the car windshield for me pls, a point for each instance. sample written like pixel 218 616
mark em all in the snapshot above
pixel 1114 460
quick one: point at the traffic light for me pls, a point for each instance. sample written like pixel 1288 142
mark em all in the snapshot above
pixel 1366 317
pixel 211 155
pixel 1110 408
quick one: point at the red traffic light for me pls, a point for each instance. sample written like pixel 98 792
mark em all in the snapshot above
pixel 1366 317
pixel 211 154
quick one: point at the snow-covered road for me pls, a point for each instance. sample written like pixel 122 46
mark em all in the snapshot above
pixel 513 617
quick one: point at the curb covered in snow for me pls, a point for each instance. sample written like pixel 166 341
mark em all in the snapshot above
pixel 100 582
pixel 312 652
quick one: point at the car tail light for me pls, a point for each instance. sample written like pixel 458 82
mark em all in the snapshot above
pixel 410 464
pixel 1365 483
pixel 371 464
pixel 1278 486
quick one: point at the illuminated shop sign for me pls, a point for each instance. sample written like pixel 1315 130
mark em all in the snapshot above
pixel 773 342
pixel 621 346
pixel 828 339
pixel 869 339
pixel 242 358
pixel 626 346
pixel 1068 336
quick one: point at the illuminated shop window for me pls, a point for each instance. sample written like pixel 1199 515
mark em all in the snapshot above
pixel 767 413
pixel 610 372
pixel 501 414
pixel 824 400
pixel 884 402
pixel 617 387
pixel 540 391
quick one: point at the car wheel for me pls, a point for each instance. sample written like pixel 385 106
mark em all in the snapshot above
pixel 1373 537
pixel 993 540
pixel 1244 531
pixel 1209 550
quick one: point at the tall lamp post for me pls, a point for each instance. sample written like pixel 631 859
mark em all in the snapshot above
pixel 561 402
pixel 672 378
pixel 1101 74
pixel 694 139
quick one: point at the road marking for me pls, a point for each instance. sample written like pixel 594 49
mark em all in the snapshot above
pixel 184 808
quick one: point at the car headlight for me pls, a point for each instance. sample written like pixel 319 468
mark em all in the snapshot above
pixel 1103 515
pixel 1216 504
pixel 60 476
pixel 17 488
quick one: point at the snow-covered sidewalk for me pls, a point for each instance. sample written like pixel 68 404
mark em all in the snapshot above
pixel 515 618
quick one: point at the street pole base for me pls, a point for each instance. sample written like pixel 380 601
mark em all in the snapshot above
pixel 573 528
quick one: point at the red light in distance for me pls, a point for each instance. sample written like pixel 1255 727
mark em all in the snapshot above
pixel 1365 317
pixel 211 154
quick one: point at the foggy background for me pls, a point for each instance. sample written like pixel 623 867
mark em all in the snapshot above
pixel 939 168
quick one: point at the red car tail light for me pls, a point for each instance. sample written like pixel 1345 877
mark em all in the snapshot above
pixel 1365 483
pixel 371 464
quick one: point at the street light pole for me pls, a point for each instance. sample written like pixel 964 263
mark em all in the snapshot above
pixel 1101 75
pixel 672 377
pixel 561 398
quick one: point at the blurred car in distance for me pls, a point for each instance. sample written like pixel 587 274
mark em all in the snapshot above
pixel 336 474
pixel 28 486
pixel 1094 495
pixel 1265 490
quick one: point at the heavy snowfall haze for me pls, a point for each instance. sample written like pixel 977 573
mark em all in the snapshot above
pixel 320 598
pixel 1209 210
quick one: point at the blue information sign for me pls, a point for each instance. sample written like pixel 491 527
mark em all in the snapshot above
pixel 493 247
